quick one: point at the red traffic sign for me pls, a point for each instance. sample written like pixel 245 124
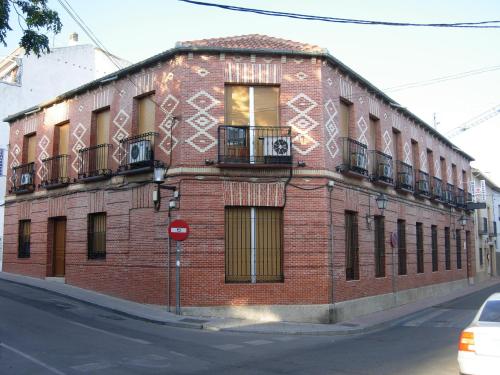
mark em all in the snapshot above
pixel 178 230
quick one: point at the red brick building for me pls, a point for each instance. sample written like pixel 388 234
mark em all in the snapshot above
pixel 277 152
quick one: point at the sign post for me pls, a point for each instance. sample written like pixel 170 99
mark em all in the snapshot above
pixel 178 230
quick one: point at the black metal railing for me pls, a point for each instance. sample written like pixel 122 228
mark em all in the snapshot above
pixel 137 152
pixel 354 157
pixel 469 199
pixel 460 198
pixel 93 161
pixel 404 176
pixel 254 145
pixel 437 189
pixel 381 167
pixel 422 184
pixel 55 171
pixel 449 194
pixel 23 178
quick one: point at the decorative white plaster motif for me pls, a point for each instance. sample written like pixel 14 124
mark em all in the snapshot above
pixel 387 143
pixel 363 127
pixel 43 144
pixel 120 121
pixel 168 106
pixel 302 124
pixel 78 134
pixel 407 152
pixel 202 121
pixel 331 128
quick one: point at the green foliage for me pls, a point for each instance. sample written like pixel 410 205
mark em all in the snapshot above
pixel 35 19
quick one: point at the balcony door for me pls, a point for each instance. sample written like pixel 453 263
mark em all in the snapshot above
pixel 251 111
pixel 59 164
pixel 101 138
pixel 30 149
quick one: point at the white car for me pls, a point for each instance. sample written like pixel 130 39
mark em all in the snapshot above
pixel 479 343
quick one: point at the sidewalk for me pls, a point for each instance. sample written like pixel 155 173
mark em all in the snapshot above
pixel 158 314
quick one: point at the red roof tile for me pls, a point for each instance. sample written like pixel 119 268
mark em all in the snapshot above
pixel 253 41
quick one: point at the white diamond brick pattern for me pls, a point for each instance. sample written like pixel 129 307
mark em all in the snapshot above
pixel 331 128
pixel 423 161
pixel 407 150
pixel 120 121
pixel 202 121
pixel 387 143
pixel 302 123
pixel 43 144
pixel 437 168
pixel 363 127
pixel 78 144
pixel 168 106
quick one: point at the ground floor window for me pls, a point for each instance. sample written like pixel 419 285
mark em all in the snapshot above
pixel 447 254
pixel 379 246
pixel 420 247
pixel 23 250
pixel 96 236
pixel 434 239
pixel 253 244
pixel 401 247
pixel 351 246
pixel 458 237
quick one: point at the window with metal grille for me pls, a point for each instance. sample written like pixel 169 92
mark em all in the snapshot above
pixel 379 246
pixel 420 248
pixel 351 246
pixel 23 250
pixel 458 237
pixel 485 225
pixel 401 247
pixel 434 245
pixel 254 244
pixel 447 255
pixel 96 236
pixel 481 257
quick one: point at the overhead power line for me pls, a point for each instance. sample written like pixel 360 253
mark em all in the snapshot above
pixel 494 24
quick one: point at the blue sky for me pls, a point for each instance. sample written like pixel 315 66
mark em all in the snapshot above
pixel 386 56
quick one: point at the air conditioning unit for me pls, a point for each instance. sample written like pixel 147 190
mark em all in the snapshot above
pixel 26 179
pixel 139 152
pixel 384 170
pixel 423 186
pixel 405 179
pixel 358 160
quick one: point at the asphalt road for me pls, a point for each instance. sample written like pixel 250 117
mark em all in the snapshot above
pixel 44 333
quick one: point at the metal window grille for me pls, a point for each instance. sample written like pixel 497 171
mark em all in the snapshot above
pixel 434 239
pixel 96 236
pixel 379 246
pixel 23 250
pixel 402 247
pixel 351 246
pixel 254 244
pixel 481 256
pixel 458 237
pixel 447 255
pixel 420 248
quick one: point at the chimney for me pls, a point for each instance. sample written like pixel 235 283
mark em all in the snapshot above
pixel 73 39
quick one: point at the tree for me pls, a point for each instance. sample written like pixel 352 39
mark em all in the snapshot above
pixel 35 19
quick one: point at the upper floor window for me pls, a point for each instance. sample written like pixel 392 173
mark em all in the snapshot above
pixel 145 114
pixel 252 105
pixel 373 133
pixel 100 130
pixel 29 148
pixel 344 118
pixel 61 133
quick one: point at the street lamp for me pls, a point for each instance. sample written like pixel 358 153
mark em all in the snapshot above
pixel 462 220
pixel 381 203
pixel 159 172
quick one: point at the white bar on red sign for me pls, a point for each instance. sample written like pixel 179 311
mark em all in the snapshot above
pixel 178 230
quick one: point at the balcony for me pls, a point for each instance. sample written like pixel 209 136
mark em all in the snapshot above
pixel 136 153
pixel 404 176
pixel 354 158
pixel 422 184
pixel 381 167
pixel 460 198
pixel 254 146
pixel 93 163
pixel 55 172
pixel 437 189
pixel 23 178
pixel 449 195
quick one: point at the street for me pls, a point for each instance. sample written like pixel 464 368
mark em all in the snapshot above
pixel 46 333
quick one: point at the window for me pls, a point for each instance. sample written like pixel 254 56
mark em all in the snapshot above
pixel 374 131
pixel 145 115
pixel 420 248
pixel 253 244
pixel 2 160
pixel 458 237
pixel 345 118
pixel 100 132
pixel 491 312
pixel 379 247
pixel 415 159
pixel 254 106
pixel 61 139
pixel 23 250
pixel 430 163
pixel 351 246
pixel 401 247
pixel 434 239
pixel 485 225
pixel 96 241
pixel 481 257
pixel 29 152
pixel 495 228
pixel 447 255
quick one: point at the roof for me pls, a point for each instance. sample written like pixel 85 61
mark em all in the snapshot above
pixel 481 175
pixel 251 43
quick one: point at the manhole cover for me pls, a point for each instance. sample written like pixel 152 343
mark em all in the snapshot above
pixel 192 320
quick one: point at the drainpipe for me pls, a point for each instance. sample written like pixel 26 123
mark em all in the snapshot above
pixel 332 315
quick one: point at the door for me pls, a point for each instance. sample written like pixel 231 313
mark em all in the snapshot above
pixel 59 250
pixel 59 168
pixel 100 162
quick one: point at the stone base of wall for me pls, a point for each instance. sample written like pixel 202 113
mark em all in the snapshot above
pixel 326 313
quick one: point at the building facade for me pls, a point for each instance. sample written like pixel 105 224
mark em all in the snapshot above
pixel 277 152
pixel 28 80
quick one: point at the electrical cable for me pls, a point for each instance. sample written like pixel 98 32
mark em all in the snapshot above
pixel 475 25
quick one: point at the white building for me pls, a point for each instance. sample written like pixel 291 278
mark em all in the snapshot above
pixel 485 220
pixel 28 80
pixel 496 223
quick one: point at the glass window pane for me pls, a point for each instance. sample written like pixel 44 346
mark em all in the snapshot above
pixel 237 105
pixel 266 106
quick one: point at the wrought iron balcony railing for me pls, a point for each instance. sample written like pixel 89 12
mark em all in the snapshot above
pixel 460 198
pixel 381 167
pixel 404 176
pixel 437 189
pixel 23 178
pixel 354 157
pixel 254 145
pixel 93 162
pixel 55 171
pixel 422 184
pixel 449 194
pixel 136 153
